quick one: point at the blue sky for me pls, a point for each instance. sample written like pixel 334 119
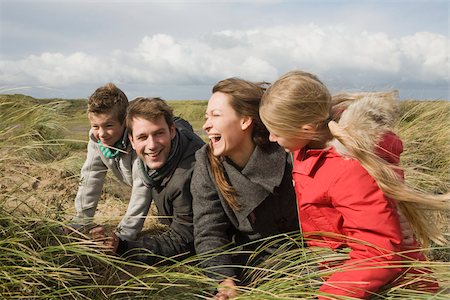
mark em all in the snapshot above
pixel 180 49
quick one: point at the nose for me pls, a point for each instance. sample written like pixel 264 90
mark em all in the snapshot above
pixel 101 132
pixel 207 125
pixel 150 143
pixel 272 137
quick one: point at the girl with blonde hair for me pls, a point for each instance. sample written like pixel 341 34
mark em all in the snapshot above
pixel 349 189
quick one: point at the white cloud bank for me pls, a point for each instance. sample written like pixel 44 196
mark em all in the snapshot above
pixel 337 54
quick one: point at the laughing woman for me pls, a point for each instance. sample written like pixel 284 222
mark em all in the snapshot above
pixel 242 183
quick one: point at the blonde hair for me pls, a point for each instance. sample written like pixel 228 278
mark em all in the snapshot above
pixel 282 116
pixel 340 102
pixel 245 99
pixel 299 98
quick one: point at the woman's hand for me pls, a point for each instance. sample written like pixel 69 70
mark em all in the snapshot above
pixel 110 243
pixel 226 290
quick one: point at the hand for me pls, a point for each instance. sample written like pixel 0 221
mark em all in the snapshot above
pixel 407 231
pixel 110 243
pixel 226 290
pixel 74 227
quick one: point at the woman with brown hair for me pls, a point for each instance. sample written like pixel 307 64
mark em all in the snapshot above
pixel 242 183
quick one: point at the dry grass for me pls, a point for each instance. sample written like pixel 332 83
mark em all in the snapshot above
pixel 39 181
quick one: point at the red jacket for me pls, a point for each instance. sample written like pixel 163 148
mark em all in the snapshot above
pixel 337 195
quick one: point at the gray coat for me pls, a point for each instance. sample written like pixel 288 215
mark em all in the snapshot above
pixel 265 193
pixel 173 201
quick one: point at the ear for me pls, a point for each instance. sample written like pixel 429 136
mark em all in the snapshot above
pixel 246 122
pixel 309 128
pixel 130 137
pixel 173 131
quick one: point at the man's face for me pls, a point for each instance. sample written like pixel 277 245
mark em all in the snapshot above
pixel 152 140
pixel 106 127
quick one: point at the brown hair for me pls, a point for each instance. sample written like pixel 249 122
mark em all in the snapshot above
pixel 297 99
pixel 245 99
pixel 149 109
pixel 108 99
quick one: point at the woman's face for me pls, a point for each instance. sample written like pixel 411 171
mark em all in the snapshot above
pixel 227 131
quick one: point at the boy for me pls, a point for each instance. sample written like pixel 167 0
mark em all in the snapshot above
pixel 109 149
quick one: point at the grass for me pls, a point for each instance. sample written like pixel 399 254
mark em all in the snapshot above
pixel 40 162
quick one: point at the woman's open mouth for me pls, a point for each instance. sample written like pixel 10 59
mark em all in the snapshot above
pixel 215 138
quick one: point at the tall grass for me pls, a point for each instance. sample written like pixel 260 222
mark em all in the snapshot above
pixel 37 261
pixel 29 129
pixel 424 127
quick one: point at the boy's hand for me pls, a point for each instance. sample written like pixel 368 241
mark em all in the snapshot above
pixel 110 243
pixel 76 228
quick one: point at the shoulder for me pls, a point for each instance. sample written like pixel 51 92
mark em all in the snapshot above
pixel 348 176
pixel 190 141
pixel 343 166
pixel 201 156
pixel 202 167
pixel 328 165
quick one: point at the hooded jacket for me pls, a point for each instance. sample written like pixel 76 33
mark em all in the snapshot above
pixel 341 206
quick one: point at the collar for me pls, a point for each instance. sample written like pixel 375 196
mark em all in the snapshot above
pixel 159 178
pixel 306 159
pixel 261 175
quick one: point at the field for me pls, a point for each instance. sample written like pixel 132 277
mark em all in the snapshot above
pixel 42 148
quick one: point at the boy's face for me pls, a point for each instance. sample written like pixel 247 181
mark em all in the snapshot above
pixel 106 127
pixel 152 141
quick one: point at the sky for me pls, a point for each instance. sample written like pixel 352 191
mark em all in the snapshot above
pixel 180 49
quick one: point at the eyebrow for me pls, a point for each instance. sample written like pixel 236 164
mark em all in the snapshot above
pixel 213 111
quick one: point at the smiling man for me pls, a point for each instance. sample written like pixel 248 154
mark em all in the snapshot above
pixel 166 149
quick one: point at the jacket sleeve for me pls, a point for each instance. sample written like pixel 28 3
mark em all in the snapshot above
pixel 92 178
pixel 138 207
pixel 177 240
pixel 370 222
pixel 211 225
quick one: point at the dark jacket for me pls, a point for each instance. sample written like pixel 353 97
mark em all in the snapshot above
pixel 173 201
pixel 267 199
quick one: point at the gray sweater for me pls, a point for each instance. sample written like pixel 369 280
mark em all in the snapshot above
pixel 92 178
pixel 267 199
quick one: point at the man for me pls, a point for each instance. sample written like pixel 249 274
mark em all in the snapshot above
pixel 166 150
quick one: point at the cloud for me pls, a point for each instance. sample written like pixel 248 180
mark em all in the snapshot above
pixel 338 53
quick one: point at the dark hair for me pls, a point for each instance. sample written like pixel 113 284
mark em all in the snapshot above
pixel 245 99
pixel 149 109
